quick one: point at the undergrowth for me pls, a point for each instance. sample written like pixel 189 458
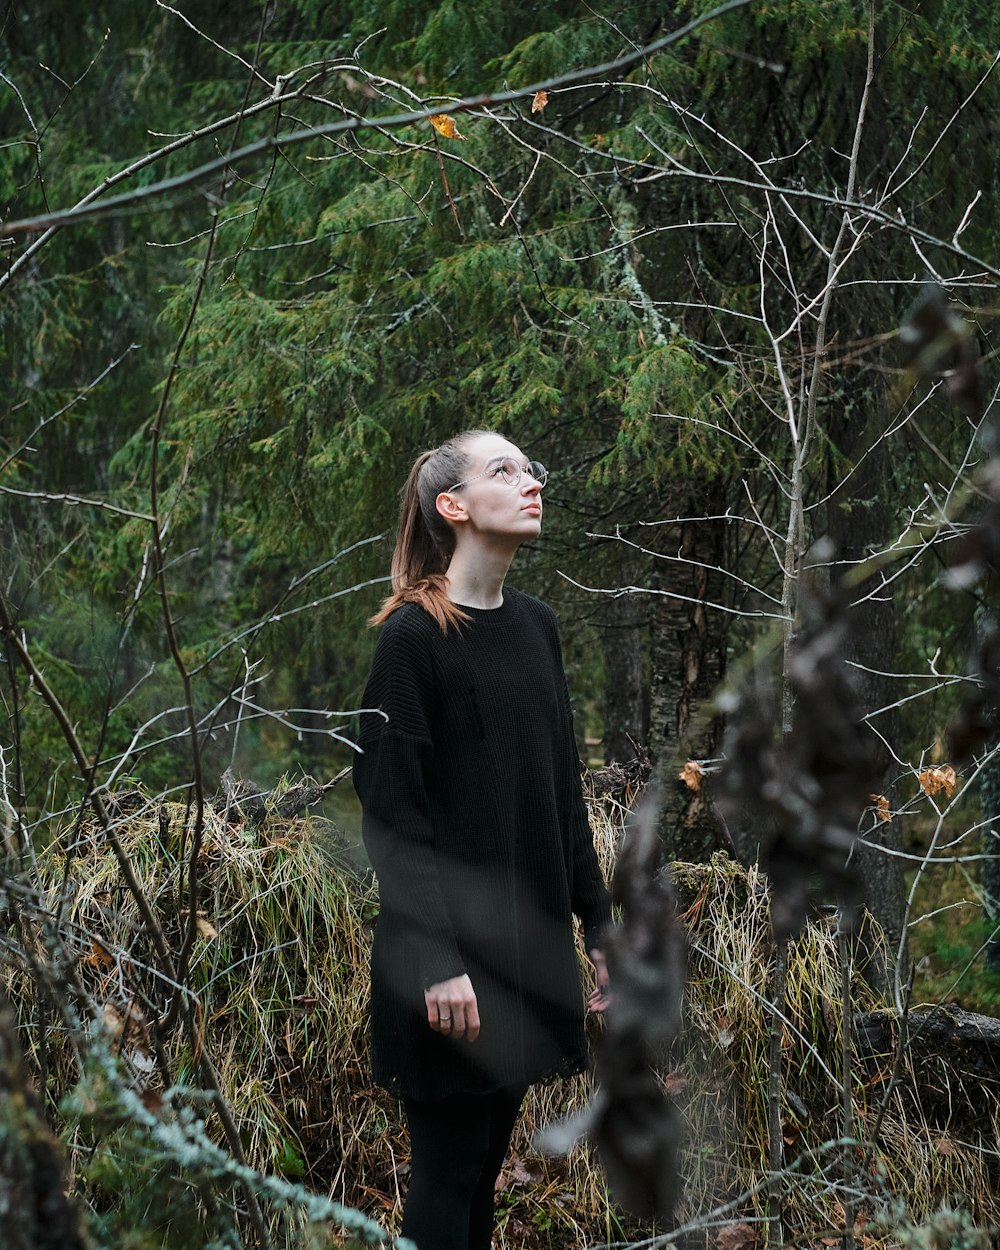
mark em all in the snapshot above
pixel 279 975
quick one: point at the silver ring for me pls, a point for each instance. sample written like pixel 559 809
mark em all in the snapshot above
pixel 443 1019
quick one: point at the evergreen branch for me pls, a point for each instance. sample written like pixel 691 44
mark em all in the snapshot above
pixel 254 71
pixel 626 167
pixel 82 393
pixel 85 210
pixel 135 167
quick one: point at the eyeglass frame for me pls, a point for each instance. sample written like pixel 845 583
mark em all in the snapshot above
pixel 541 477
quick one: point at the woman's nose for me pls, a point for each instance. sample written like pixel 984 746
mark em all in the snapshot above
pixel 530 485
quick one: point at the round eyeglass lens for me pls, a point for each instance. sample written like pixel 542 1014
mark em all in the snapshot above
pixel 511 472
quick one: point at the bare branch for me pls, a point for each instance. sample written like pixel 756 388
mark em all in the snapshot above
pixel 85 211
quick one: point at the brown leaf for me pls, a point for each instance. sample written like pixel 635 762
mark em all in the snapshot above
pixel 540 101
pixel 98 956
pixel 444 124
pixel 675 1083
pixel 941 777
pixel 691 774
pixel 881 805
pixel 736 1237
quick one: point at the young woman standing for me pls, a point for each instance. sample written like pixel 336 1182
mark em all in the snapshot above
pixel 475 824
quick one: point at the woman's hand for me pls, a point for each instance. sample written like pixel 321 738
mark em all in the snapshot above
pixel 600 995
pixel 452 1008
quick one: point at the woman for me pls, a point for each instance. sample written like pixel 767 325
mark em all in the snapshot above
pixel 475 824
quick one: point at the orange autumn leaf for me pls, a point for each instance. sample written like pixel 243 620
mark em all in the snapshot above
pixel 98 956
pixel 881 805
pixel 941 777
pixel 444 124
pixel 691 774
pixel 539 102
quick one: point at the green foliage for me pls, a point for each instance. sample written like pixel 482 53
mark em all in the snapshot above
pixel 558 276
pixel 661 408
pixel 947 949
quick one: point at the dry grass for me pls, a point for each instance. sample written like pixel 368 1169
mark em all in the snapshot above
pixel 280 975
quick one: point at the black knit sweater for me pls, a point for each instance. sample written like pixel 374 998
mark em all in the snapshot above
pixel 475 824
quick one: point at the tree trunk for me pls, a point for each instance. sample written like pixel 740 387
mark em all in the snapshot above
pixel 859 524
pixel 956 1051
pixel 989 871
pixel 625 718
pixel 687 661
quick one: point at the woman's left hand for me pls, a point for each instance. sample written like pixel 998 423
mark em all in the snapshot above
pixel 600 996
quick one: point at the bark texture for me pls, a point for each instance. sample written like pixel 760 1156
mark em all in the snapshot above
pixel 625 718
pixel 954 1054
pixel 859 524
pixel 687 647
pixel 989 870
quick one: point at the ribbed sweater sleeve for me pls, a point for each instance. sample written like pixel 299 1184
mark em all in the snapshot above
pixel 390 776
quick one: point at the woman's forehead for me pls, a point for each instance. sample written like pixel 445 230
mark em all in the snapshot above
pixel 493 446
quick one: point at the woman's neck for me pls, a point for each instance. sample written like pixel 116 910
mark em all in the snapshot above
pixel 476 578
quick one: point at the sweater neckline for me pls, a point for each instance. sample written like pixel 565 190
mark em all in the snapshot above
pixel 502 612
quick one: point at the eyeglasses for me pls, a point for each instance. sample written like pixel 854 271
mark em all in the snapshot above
pixel 510 471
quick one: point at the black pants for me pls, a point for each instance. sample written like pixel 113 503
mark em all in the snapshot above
pixel 457 1148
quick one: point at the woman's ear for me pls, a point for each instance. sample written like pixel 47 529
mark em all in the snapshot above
pixel 451 508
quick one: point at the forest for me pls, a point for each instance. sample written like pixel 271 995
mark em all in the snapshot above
pixel 729 271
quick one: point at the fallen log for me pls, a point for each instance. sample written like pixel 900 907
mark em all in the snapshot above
pixel 953 1055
